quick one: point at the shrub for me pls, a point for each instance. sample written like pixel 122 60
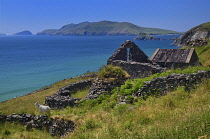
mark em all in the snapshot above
pixel 112 73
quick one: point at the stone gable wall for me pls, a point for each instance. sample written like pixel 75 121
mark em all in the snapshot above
pixel 128 51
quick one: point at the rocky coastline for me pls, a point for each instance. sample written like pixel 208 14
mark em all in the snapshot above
pixel 193 36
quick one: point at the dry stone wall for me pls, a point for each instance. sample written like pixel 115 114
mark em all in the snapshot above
pixel 53 126
pixel 101 87
pixel 162 85
pixel 138 70
pixel 63 98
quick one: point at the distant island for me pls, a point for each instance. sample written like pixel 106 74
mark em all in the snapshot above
pixel 104 28
pixel 26 32
pixel 2 34
pixel 144 36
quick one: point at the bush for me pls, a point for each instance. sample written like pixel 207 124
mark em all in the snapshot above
pixel 112 72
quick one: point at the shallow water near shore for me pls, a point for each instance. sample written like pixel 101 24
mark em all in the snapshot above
pixel 28 63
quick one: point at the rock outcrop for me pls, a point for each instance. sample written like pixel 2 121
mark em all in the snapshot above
pixel 200 32
pixel 144 36
pixel 197 42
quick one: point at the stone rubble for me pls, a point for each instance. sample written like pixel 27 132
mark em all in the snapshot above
pixel 63 98
pixel 102 87
pixel 54 126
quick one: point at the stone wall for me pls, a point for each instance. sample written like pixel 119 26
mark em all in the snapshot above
pixel 138 70
pixel 162 85
pixel 63 98
pixel 102 87
pixel 53 126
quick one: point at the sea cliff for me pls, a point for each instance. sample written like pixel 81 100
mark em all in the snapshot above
pixel 200 32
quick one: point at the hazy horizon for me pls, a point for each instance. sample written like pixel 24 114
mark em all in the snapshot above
pixel 38 15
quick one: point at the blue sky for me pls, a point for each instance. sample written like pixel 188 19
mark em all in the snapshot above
pixel 37 15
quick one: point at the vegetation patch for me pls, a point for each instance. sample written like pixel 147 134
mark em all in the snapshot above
pixel 132 86
pixel 112 73
pixel 179 114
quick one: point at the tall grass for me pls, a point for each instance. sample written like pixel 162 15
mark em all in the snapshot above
pixel 179 114
pixel 203 54
pixel 25 104
pixel 132 86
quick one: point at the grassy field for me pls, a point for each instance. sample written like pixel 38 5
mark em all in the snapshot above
pixel 25 104
pixel 180 114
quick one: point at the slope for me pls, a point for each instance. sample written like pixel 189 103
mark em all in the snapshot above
pixel 199 32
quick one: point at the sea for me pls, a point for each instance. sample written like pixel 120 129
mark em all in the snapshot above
pixel 28 63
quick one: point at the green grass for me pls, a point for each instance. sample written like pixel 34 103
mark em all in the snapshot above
pixel 18 131
pixel 81 94
pixel 132 86
pixel 179 114
pixel 203 54
pixel 206 26
pixel 112 72
pixel 25 104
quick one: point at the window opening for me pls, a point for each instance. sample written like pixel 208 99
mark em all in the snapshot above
pixel 128 54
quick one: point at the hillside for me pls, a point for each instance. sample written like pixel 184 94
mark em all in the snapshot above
pixel 26 32
pixel 199 32
pixel 180 114
pixel 104 28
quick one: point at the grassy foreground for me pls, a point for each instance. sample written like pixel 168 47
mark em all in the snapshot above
pixel 180 114
pixel 177 115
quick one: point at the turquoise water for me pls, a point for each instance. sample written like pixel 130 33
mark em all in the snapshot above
pixel 28 63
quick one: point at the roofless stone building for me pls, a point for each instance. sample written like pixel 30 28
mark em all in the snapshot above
pixel 133 60
pixel 129 51
pixel 176 58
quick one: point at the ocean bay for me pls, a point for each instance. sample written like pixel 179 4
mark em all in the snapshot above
pixel 29 63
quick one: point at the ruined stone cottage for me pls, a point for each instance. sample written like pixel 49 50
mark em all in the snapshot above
pixel 128 51
pixel 175 58
pixel 133 60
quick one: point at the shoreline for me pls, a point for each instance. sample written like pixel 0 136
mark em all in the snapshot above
pixel 91 75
